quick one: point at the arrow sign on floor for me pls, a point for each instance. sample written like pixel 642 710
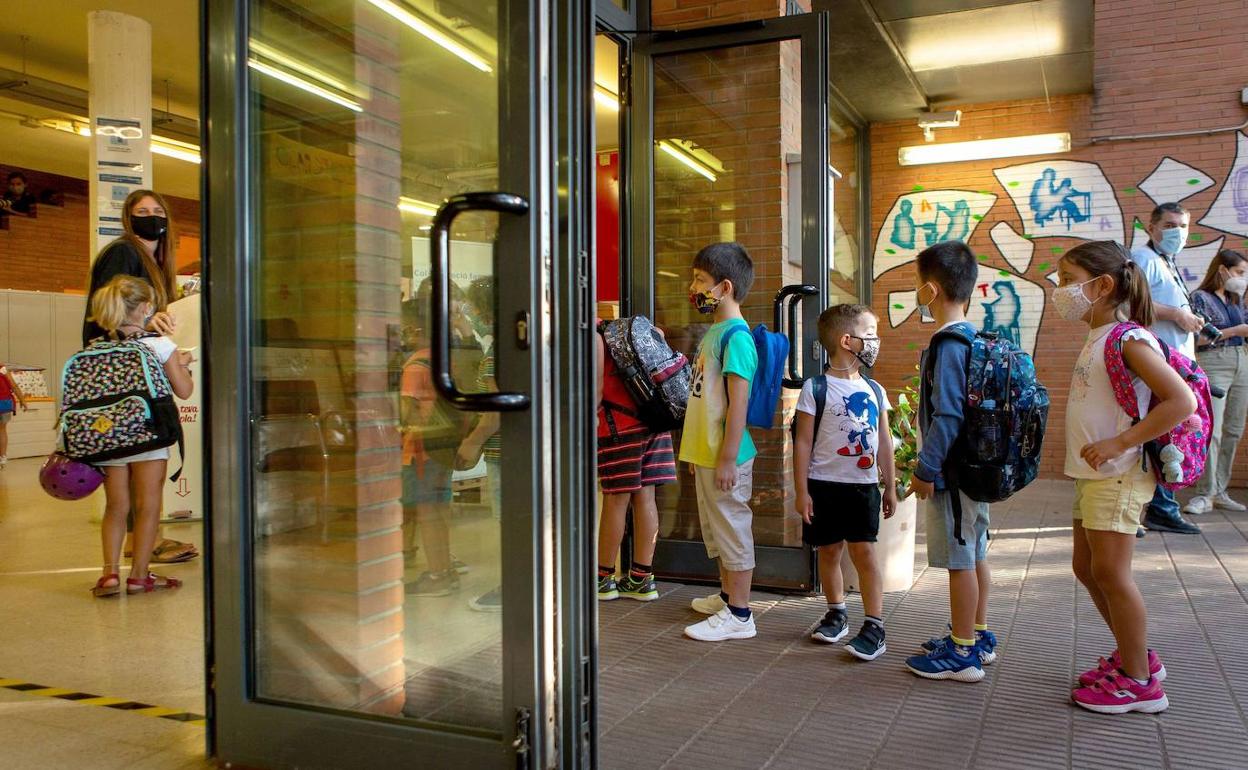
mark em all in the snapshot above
pixel 184 488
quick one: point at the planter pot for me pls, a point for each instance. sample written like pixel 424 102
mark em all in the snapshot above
pixel 894 551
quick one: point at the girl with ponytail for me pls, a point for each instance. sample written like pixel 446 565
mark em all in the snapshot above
pixel 123 308
pixel 1101 287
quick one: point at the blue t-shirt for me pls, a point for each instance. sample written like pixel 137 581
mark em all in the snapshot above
pixel 1163 284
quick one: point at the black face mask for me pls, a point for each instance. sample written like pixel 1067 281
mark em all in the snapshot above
pixel 149 228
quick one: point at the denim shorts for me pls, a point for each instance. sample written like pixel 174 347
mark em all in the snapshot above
pixel 944 551
pixel 426 481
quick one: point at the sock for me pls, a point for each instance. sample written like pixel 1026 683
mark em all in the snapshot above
pixel 605 571
pixel 964 645
pixel 836 606
pixel 742 613
pixel 981 626
pixel 641 571
pixel 1141 682
pixel 723 595
pixel 877 621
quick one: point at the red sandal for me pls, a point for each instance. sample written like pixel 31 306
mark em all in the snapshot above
pixel 101 591
pixel 150 583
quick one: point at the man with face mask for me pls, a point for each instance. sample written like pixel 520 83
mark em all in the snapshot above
pixel 1176 325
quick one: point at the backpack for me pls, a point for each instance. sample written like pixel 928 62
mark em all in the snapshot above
pixel 116 401
pixel 1190 437
pixel 655 376
pixel 772 349
pixel 998 451
pixel 445 427
pixel 819 390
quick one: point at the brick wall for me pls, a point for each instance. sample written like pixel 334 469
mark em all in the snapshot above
pixel 51 251
pixel 1148 77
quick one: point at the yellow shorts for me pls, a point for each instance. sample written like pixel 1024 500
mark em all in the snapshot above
pixel 1115 504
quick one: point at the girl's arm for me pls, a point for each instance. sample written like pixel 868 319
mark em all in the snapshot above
pixel 1175 404
pixel 177 369
pixel 17 390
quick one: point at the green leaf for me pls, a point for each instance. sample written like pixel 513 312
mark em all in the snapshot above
pixel 1004 273
pixel 1140 226
pixel 983 257
pixel 917 188
pixel 1028 236
pixel 1057 249
pixel 912 346
pixel 1129 190
pixel 889 251
pixel 898 306
pixel 977 217
pixel 1015 184
pixel 1196 237
pixel 1042 266
pixel 1193 181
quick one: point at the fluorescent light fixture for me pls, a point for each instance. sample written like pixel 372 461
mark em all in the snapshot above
pixel 667 274
pixel 413 206
pixel 606 98
pixel 434 34
pixel 68 126
pixel 298 65
pixel 306 85
pixel 685 155
pixel 1009 147
pixel 172 148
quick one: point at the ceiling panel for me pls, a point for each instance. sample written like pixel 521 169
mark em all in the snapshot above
pixel 1003 81
pixel 891 10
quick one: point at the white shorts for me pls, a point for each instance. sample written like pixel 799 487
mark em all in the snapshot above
pixel 726 519
pixel 141 457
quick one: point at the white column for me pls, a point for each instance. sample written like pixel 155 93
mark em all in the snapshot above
pixel 120 96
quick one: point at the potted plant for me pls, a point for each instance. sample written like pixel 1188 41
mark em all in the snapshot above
pixel 894 550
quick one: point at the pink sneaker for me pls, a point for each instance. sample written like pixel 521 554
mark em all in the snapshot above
pixel 1119 694
pixel 1112 664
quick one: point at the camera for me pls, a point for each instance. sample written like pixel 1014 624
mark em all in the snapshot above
pixel 1209 331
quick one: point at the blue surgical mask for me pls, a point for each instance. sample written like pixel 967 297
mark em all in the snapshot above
pixel 1173 240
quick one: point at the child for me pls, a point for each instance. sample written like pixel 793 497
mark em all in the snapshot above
pixel 838 473
pixel 1112 486
pixel 632 461
pixel 122 307
pixel 945 277
pixel 11 395
pixel 716 444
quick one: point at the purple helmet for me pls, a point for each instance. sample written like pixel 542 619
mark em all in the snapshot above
pixel 67 479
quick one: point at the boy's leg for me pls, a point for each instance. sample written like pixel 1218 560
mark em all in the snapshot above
pixel 727 528
pixel 830 575
pixel 983 582
pixel 863 557
pixel 611 529
pixel 963 603
pixel 645 528
pixel 435 535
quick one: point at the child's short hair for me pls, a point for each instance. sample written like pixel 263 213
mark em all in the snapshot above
pixel 727 262
pixel 950 265
pixel 838 320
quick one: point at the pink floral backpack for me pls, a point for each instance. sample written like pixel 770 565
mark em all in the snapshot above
pixel 1178 456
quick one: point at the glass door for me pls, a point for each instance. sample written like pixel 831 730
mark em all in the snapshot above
pixel 385 380
pixel 730 150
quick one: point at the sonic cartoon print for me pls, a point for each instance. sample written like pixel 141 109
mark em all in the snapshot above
pixel 861 415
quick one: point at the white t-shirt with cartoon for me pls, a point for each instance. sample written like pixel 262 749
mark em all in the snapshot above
pixel 845 448
pixel 1092 412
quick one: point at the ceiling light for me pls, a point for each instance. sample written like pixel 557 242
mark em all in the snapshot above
pixel 413 206
pixel 68 126
pixel 667 274
pixel 606 98
pixel 299 65
pixel 172 148
pixel 687 154
pixel 434 34
pixel 1009 147
pixel 298 82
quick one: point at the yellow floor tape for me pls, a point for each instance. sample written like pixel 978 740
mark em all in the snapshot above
pixel 120 704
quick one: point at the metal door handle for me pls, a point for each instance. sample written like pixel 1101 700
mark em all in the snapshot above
pixel 794 294
pixel 440 307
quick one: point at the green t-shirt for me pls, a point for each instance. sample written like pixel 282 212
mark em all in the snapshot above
pixel 708 394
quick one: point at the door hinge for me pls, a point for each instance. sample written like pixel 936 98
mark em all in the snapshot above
pixel 522 744
pixel 626 83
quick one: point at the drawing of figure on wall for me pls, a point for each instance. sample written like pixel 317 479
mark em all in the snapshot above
pixel 903 226
pixel 1239 194
pixel 958 225
pixel 1050 199
pixel 1002 315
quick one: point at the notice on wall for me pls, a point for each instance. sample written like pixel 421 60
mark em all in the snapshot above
pixel 119 169
pixel 184 499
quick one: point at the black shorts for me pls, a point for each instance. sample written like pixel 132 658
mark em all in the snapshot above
pixel 842 512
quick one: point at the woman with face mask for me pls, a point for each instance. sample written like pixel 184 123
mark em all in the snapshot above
pixel 1220 298
pixel 145 250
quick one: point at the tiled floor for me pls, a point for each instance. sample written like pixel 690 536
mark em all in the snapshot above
pixel 780 701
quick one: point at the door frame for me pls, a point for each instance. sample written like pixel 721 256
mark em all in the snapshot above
pixel 783 567
pixel 547 624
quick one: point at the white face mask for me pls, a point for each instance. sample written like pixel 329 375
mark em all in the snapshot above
pixel 1071 303
pixel 1236 284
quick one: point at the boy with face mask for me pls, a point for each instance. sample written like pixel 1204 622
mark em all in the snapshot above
pixel 715 443
pixel 841 453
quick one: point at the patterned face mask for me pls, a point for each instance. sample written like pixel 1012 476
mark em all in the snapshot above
pixel 705 301
pixel 870 350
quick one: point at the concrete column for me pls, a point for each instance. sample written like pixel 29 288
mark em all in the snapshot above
pixel 119 60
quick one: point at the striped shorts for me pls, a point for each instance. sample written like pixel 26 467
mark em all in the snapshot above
pixel 633 460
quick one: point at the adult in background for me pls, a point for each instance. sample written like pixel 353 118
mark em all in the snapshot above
pixel 1220 299
pixel 1175 324
pixel 145 250
pixel 17 198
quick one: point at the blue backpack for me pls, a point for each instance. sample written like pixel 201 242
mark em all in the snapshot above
pixel 772 349
pixel 998 451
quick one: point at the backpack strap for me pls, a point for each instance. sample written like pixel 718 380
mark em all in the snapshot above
pixel 925 393
pixel 723 342
pixel 1116 366
pixel 818 389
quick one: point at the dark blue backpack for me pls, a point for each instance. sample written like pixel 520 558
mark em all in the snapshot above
pixel 998 451
pixel 773 350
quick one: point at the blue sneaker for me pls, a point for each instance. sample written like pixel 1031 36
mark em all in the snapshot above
pixel 985 645
pixel 946 663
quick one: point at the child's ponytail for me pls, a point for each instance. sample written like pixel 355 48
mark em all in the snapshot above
pixel 1130 285
pixel 114 302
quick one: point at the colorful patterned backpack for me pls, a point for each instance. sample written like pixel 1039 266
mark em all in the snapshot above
pixel 1190 437
pixel 656 376
pixel 115 402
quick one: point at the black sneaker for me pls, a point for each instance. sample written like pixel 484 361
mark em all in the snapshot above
pixel 608 589
pixel 869 643
pixel 433 584
pixel 490 601
pixel 833 628
pixel 643 590
pixel 1176 523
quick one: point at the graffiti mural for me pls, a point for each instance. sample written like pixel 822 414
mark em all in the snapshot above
pixel 1016 249
pixel 1229 212
pixel 1174 181
pixel 1008 305
pixel 1063 198
pixel 1194 260
pixel 920 219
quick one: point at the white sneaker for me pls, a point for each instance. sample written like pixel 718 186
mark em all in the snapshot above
pixel 1198 505
pixel 1224 501
pixel 709 605
pixel 3 461
pixel 720 626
